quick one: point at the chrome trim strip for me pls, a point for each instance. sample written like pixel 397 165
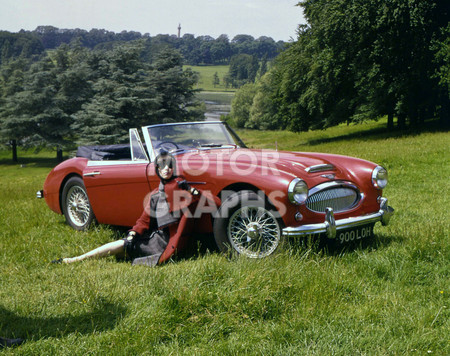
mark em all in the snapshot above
pixel 184 123
pixel 138 138
pixel 330 225
pixel 333 184
pixel 148 143
pixel 114 163
pixel 320 168
pixel 90 174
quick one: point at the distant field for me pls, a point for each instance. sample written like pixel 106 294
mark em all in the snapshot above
pixel 389 296
pixel 207 76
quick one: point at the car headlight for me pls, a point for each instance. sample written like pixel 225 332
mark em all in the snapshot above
pixel 297 191
pixel 379 177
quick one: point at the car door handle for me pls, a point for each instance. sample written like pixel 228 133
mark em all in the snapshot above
pixel 90 174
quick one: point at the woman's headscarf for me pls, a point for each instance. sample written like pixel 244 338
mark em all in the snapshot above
pixel 162 160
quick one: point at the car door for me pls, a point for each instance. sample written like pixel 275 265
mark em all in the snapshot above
pixel 118 189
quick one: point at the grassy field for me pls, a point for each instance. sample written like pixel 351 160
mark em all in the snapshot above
pixel 388 297
pixel 206 81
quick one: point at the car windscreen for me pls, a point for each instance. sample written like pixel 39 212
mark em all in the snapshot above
pixel 180 137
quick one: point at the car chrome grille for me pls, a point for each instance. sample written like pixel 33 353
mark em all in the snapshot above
pixel 337 198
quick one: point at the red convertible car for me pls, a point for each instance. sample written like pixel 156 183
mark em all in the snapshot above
pixel 266 195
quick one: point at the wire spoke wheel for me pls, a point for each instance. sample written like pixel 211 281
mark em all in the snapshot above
pixel 253 231
pixel 78 206
pixel 248 224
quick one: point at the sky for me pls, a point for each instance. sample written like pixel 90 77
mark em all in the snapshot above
pixel 278 19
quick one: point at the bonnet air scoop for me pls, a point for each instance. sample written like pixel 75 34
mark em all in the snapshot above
pixel 320 168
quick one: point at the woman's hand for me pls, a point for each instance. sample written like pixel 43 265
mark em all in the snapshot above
pixel 131 235
pixel 185 186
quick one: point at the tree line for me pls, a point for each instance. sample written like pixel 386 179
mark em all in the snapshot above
pixel 59 87
pixel 356 60
pixel 200 50
pixel 74 94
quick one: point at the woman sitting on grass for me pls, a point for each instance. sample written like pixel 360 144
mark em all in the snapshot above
pixel 164 225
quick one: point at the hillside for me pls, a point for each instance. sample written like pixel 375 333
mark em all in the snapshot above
pixel 206 78
pixel 388 296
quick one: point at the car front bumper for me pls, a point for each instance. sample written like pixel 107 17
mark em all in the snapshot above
pixel 330 225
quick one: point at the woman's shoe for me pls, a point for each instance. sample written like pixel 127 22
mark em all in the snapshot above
pixel 4 342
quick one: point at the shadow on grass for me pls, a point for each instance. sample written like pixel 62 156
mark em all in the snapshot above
pixel 197 246
pixel 40 162
pixel 204 244
pixel 374 243
pixel 200 245
pixel 331 247
pixel 104 316
pixel 381 133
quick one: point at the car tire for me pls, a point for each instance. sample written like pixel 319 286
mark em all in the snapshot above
pixel 75 204
pixel 248 225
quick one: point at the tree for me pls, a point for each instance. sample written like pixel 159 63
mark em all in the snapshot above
pixel 221 50
pixel 176 86
pixel 14 45
pixel 216 80
pixel 190 49
pixel 32 112
pixel 442 58
pixel 401 62
pixel 39 112
pixel 241 104
pixel 12 82
pixel 266 47
pixel 359 60
pixel 293 92
pixel 128 92
pixel 243 69
pixel 243 44
pixel 441 47
pixel 263 67
pixel 195 50
pixel 263 115
pixel 75 94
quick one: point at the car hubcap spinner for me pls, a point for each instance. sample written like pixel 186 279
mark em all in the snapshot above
pixel 254 232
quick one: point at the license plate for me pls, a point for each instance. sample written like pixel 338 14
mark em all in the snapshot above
pixel 362 232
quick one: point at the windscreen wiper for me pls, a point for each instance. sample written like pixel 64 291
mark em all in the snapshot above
pixel 217 145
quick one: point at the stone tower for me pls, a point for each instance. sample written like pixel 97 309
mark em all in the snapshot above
pixel 179 30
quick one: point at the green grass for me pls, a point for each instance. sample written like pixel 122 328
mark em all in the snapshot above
pixel 389 297
pixel 206 82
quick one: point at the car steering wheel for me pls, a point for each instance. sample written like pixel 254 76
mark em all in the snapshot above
pixel 161 144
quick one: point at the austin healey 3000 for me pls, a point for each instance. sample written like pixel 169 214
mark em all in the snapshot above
pixel 266 195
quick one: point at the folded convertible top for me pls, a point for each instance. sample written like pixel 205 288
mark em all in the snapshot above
pixel 104 152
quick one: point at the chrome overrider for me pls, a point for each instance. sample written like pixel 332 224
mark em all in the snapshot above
pixel 330 225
